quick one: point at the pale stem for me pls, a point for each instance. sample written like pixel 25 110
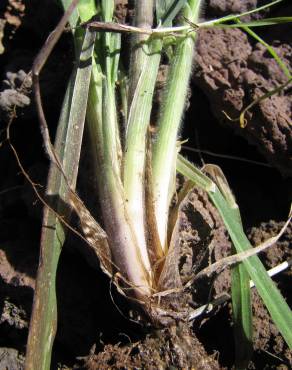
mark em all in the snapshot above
pixel 135 151
pixel 144 69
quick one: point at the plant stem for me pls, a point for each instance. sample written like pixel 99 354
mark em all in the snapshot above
pixel 165 150
pixel 143 19
pixel 125 248
pixel 145 65
pixel 122 239
pixel 135 151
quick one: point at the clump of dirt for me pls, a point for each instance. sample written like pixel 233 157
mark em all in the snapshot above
pixel 12 12
pixel 281 251
pixel 175 347
pixel 15 11
pixel 11 359
pixel 266 336
pixel 234 71
pixel 270 349
pixel 267 339
pixel 121 10
pixel 222 6
pixel 15 94
pixel 204 240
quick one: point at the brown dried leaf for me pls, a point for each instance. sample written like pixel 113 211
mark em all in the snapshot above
pixel 95 236
pixel 155 250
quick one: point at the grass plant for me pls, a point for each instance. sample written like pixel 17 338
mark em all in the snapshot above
pixel 136 172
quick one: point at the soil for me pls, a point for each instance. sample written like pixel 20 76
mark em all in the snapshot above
pixel 234 71
pixel 95 327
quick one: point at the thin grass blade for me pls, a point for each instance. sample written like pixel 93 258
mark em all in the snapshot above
pixel 242 316
pixel 240 290
pixel 170 115
pixel 270 49
pixel 167 10
pixel 258 23
pixel 145 60
pixel 68 143
pixel 274 301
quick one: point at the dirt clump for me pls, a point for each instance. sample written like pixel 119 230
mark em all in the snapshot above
pixel 234 71
pixel 267 338
pixel 175 347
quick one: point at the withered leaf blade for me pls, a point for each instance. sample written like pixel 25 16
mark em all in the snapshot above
pixel 154 247
pixel 94 234
pixel 219 178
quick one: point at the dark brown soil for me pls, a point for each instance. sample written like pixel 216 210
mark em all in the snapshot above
pixel 233 71
pixel 168 348
pixel 93 333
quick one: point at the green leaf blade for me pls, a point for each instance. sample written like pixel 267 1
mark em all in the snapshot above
pixel 67 146
pixel 242 316
pixel 274 301
pixel 167 10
